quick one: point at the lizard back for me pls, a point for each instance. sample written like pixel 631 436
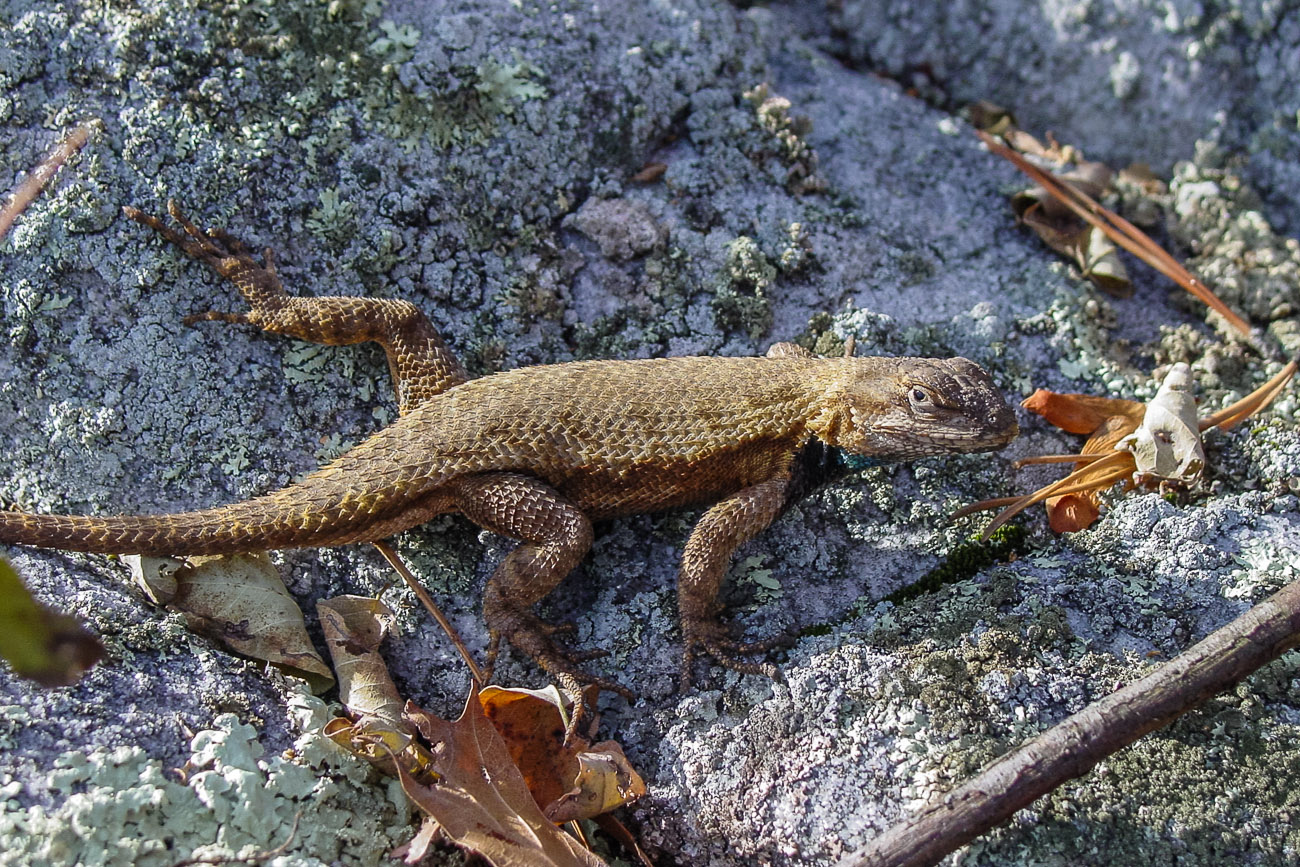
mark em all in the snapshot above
pixel 615 437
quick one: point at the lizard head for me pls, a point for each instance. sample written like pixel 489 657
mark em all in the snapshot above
pixel 905 408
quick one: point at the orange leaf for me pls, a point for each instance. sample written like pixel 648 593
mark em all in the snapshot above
pixel 1081 413
pixel 481 800
pixel 1073 512
pixel 574 780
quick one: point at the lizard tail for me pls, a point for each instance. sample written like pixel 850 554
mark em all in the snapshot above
pixel 284 519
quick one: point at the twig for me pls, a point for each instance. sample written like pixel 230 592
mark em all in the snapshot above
pixel 1251 403
pixel 1057 459
pixel 28 190
pixel 1071 748
pixel 432 607
pixel 1128 236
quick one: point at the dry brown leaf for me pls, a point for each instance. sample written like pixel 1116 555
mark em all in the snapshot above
pixel 38 642
pixel 577 780
pixel 650 173
pixel 354 627
pixel 605 781
pixel 1069 513
pixel 1068 234
pixel 1166 446
pixel 481 800
pixel 240 601
pixel 991 117
pixel 1130 237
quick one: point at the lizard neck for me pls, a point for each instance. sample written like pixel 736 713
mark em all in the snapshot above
pixel 851 463
pixel 818 464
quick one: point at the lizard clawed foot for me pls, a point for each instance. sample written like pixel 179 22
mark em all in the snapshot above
pixel 532 636
pixel 212 247
pixel 710 637
pixel 218 249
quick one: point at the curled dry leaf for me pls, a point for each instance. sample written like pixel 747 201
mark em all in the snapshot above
pixel 239 601
pixel 1125 234
pixel 481 800
pixel 38 642
pixel 354 627
pixel 1130 443
pixel 1058 226
pixel 1167 444
pixel 573 780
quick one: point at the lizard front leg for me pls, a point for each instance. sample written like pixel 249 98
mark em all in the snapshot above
pixel 555 536
pixel 723 528
pixel 420 362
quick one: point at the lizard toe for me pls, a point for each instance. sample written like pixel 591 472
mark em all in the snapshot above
pixel 709 637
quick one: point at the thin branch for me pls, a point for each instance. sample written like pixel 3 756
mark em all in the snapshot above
pixel 26 192
pixel 1251 403
pixel 1073 747
pixel 1124 233
pixel 432 607
pixel 1081 459
pixel 1117 469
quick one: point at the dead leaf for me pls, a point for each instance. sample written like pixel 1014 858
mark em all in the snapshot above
pixel 991 117
pixel 1080 413
pixel 481 800
pixel 1069 513
pixel 577 780
pixel 38 642
pixel 1126 235
pixel 605 781
pixel 1070 235
pixel 239 601
pixel 354 627
pixel 1167 444
pixel 650 173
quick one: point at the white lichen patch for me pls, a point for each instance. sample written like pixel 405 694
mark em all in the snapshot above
pixel 118 806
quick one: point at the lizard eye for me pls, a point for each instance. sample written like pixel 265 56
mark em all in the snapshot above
pixel 919 398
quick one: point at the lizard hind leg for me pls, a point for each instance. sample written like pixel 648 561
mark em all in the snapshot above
pixel 555 535
pixel 421 363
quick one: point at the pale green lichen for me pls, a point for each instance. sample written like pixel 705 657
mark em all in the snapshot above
pixel 503 85
pixel 117 807
pixel 396 43
pixel 335 219
pixel 750 571
pixel 1267 568
pixel 741 301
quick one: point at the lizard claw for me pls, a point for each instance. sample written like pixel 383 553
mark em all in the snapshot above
pixel 534 637
pixel 709 637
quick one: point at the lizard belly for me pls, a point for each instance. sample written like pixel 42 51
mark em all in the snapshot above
pixel 608 491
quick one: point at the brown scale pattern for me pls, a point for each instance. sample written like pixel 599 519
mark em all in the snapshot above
pixel 536 454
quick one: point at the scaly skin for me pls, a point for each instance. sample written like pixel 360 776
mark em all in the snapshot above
pixel 536 454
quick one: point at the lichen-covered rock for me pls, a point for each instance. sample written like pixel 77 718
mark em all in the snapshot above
pixel 434 152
